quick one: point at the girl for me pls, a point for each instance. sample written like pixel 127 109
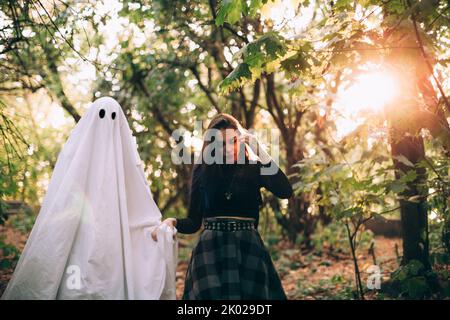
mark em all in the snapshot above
pixel 230 260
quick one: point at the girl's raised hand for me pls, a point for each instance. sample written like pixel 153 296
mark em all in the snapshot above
pixel 246 137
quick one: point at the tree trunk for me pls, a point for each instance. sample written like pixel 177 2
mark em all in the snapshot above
pixel 414 219
pixel 406 119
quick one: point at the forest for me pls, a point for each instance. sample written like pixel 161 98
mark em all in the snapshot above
pixel 357 91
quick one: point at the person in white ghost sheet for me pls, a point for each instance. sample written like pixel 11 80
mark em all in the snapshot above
pixel 91 239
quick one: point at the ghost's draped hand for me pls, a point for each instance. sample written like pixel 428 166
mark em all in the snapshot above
pixel 171 222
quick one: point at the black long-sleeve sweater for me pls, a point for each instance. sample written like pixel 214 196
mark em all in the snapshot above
pixel 244 181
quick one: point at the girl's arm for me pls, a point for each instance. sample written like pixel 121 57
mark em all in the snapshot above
pixel 276 183
pixel 193 222
pixel 271 176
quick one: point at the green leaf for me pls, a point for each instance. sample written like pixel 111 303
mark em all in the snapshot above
pixel 415 287
pixel 403 160
pixel 271 46
pixel 414 267
pixel 295 64
pixel 255 59
pixel 348 213
pixel 396 186
pixel 340 4
pixel 334 168
pixel 254 6
pixel 395 6
pixel 239 75
pixel 261 54
pixel 230 11
pixel 411 175
pixel 298 185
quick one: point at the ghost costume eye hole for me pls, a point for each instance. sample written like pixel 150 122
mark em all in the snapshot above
pixel 113 115
pixel 101 114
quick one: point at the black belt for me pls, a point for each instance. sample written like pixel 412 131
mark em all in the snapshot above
pixel 228 224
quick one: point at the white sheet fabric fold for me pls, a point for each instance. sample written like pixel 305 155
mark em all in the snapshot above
pixel 168 248
pixel 91 239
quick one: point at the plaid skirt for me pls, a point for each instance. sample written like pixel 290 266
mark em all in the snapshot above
pixel 231 265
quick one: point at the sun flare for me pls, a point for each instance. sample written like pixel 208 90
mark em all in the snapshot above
pixel 370 92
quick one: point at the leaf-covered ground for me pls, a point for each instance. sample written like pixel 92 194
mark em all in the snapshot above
pixel 317 275
pixel 324 274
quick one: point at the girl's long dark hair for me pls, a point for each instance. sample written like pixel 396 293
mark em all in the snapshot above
pixel 210 175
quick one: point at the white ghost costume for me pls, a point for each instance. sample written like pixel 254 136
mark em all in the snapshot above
pixel 92 237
